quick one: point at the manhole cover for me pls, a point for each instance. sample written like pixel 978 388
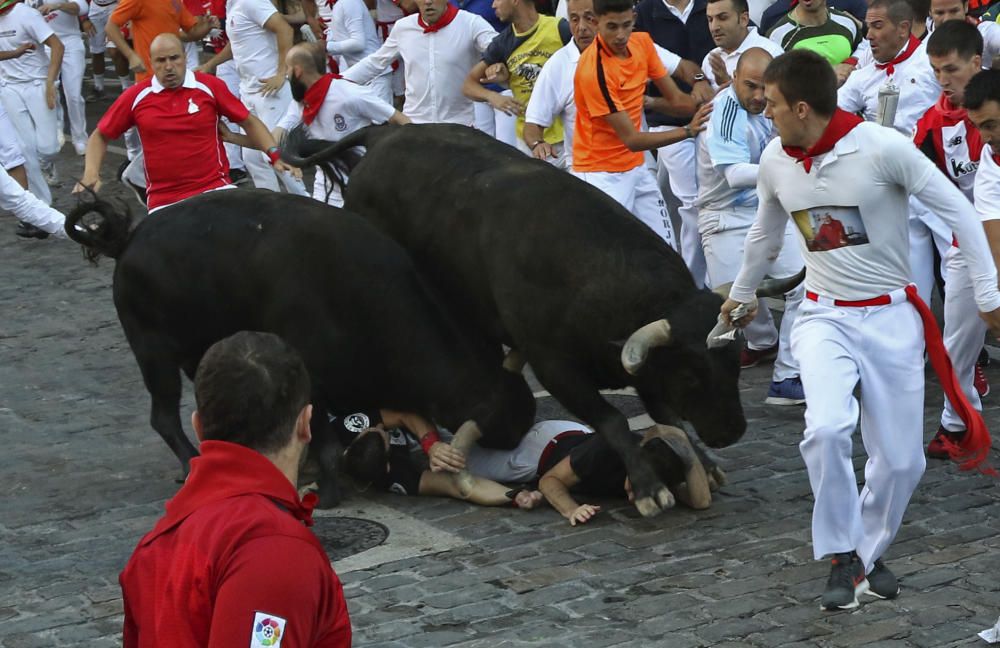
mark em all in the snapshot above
pixel 345 536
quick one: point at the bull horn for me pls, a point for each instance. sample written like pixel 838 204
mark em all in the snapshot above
pixel 637 346
pixel 777 287
pixel 514 361
pixel 466 437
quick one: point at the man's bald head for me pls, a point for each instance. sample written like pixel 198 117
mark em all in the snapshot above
pixel 308 57
pixel 748 81
pixel 166 55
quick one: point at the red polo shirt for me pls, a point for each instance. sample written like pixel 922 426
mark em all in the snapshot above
pixel 232 564
pixel 179 132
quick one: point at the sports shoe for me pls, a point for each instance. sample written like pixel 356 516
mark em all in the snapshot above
pixel 786 392
pixel 980 381
pixel 882 583
pixel 239 176
pixel 847 581
pixel 25 230
pixel 753 357
pixel 49 173
pixel 80 148
pixel 936 448
pixel 984 358
pixel 94 95
pixel 139 192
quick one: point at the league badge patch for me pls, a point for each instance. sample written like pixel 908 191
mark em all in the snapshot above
pixel 268 631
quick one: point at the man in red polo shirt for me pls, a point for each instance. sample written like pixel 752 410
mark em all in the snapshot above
pixel 231 562
pixel 177 114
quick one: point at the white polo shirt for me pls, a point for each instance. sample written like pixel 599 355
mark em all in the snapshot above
pixel 862 184
pixel 18 26
pixel 990 32
pixel 65 25
pixel 918 90
pixel 434 66
pixel 753 39
pixel 986 192
pixel 352 35
pixel 255 49
pixel 346 108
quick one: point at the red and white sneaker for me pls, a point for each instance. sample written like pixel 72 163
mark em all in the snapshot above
pixel 980 381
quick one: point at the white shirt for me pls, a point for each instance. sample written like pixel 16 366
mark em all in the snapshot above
pixel 346 108
pixel 255 49
pixel 681 15
pixel 65 25
pixel 552 96
pixel 733 136
pixel 990 32
pixel 18 26
pixel 434 66
pixel 753 39
pixel 387 11
pixel 987 189
pixel 918 90
pixel 863 183
pixel 352 34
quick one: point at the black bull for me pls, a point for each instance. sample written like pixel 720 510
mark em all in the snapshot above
pixel 344 295
pixel 588 295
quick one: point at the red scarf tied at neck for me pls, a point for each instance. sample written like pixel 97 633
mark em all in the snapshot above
pixel 890 66
pixel 840 124
pixel 445 19
pixel 315 95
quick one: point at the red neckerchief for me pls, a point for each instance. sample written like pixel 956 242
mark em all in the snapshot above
pixel 225 470
pixel 315 95
pixel 445 19
pixel 840 124
pixel 950 110
pixel 911 47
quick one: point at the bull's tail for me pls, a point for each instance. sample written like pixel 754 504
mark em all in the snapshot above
pixel 337 159
pixel 102 227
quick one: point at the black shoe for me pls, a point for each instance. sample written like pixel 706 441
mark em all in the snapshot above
pixel 24 230
pixel 984 358
pixel 94 95
pixel 882 582
pixel 847 581
pixel 239 176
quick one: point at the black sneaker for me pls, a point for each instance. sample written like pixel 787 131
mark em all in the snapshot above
pixel 984 358
pixel 239 176
pixel 882 582
pixel 94 95
pixel 24 230
pixel 847 581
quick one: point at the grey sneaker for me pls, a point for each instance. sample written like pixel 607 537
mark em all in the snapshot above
pixel 882 582
pixel 847 581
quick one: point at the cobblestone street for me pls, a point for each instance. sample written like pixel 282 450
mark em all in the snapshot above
pixel 84 476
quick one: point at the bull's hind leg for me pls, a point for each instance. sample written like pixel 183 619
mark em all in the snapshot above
pixel 326 449
pixel 162 376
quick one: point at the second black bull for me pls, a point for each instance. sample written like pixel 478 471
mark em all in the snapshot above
pixel 554 268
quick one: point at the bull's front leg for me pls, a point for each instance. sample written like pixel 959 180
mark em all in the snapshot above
pixel 327 449
pixel 162 377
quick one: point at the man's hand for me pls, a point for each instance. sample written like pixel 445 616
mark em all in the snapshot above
pixel 843 71
pixel 992 320
pixel 496 73
pixel 445 458
pixel 582 514
pixel 88 27
pixel 283 167
pixel 543 151
pixel 718 66
pixel 702 92
pixel 23 48
pixel 700 120
pixel 505 104
pixel 273 85
pixel 49 7
pixel 731 304
pixel 135 63
pixel 87 184
pixel 50 95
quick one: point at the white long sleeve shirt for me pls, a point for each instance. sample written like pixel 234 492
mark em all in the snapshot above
pixel 352 35
pixel 986 192
pixel 434 66
pixel 862 185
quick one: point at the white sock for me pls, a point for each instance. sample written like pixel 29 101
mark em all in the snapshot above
pixel 99 82
pixel 125 81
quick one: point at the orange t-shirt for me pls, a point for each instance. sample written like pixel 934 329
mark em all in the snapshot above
pixel 150 18
pixel 606 84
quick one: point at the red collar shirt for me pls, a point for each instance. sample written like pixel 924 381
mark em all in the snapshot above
pixel 952 142
pixel 231 563
pixel 184 154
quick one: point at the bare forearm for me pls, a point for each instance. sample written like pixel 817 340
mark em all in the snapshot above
pixel 557 494
pixel 475 91
pixel 97 146
pixel 683 107
pixel 225 54
pixel 641 141
pixel 71 8
pixel 56 50
pixel 533 133
pixel 257 134
pixel 115 35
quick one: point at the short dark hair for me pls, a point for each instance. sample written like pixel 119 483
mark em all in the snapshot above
pixel 740 6
pixel 365 459
pixel 955 36
pixel 983 87
pixel 602 7
pixel 804 75
pixel 249 389
pixel 897 10
pixel 921 9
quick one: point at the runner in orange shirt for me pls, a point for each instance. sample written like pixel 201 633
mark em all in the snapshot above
pixel 149 19
pixel 610 88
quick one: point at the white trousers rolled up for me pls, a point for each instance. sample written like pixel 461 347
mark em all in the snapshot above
pixel 636 190
pixel 35 125
pixel 269 110
pixel 676 171
pixel 227 73
pixel 880 348
pixel 964 332
pixel 28 208
pixel 520 464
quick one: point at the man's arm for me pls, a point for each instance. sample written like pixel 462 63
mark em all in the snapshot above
pixel 555 485
pixel 259 137
pixel 200 29
pixel 56 50
pixel 312 17
pixel 644 141
pixel 355 26
pixel 97 146
pixel 541 112
pixel 701 90
pixel 441 455
pixel 484 492
pixel 473 89
pixel 114 33
pixel 849 95
pixel 278 26
pixel 18 52
pixel 223 55
pixel 71 8
pixel 375 63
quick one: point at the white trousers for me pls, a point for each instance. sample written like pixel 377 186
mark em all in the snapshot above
pixel 485 118
pixel 10 148
pixel 636 190
pixel 71 78
pixel 28 208
pixel 676 170
pixel 228 74
pixel 963 335
pixel 927 231
pixel 320 186
pixel 269 110
pixel 35 125
pixel 722 236
pixel 192 53
pixel 506 125
pixel 880 347
pixel 521 463
pixel 99 18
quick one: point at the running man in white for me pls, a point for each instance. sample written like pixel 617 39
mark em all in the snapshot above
pixel 28 87
pixel 330 107
pixel 844 182
pixel 728 164
pixel 438 47
pixel 64 19
pixel 97 41
pixel 351 36
pixel 29 210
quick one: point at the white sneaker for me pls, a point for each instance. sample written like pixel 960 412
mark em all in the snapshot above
pixel 81 148
pixel 49 172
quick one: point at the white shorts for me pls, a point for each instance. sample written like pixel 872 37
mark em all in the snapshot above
pixel 99 18
pixel 10 151
pixel 636 190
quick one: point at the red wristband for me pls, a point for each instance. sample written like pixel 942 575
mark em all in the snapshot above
pixel 851 61
pixel 429 440
pixel 274 154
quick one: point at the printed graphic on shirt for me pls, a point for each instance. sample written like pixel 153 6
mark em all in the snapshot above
pixel 268 631
pixel 831 227
pixel 357 423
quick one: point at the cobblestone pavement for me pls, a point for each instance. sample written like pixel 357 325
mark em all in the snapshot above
pixel 83 476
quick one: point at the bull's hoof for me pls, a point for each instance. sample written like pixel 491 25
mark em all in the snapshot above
pixel 651 506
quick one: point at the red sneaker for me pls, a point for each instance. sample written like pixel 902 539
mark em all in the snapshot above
pixel 936 448
pixel 980 381
pixel 753 357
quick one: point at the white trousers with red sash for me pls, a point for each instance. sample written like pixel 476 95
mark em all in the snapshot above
pixel 964 331
pixel 880 348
